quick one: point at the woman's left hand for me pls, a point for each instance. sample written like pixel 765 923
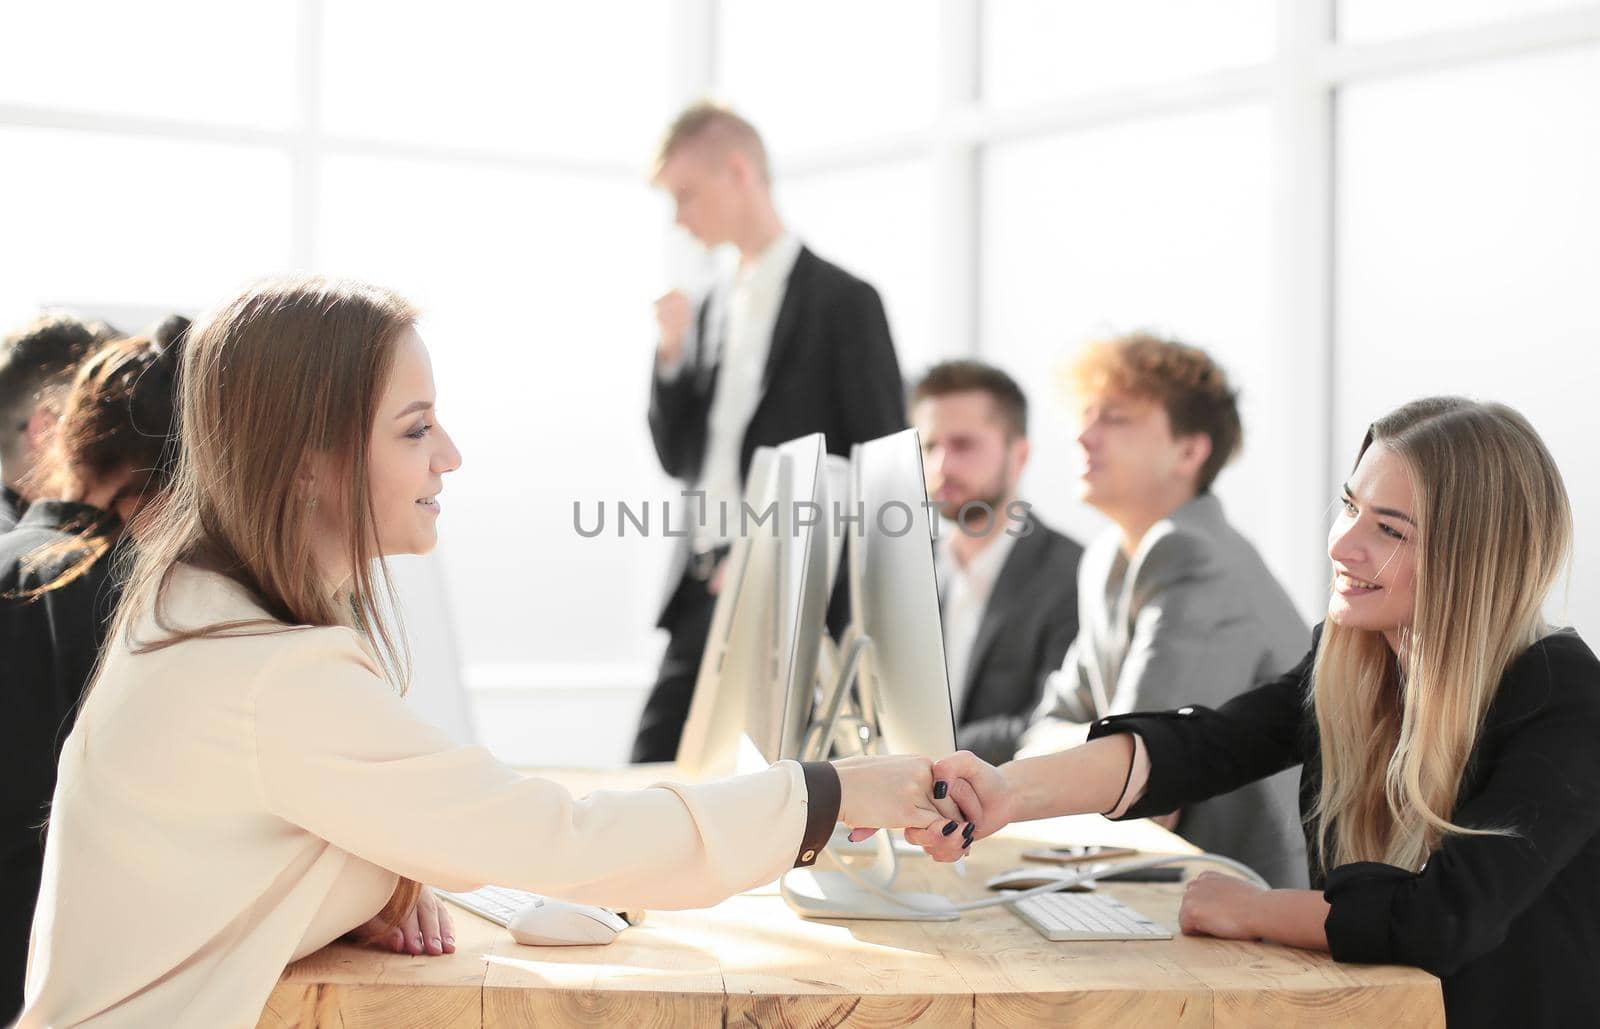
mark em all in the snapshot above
pixel 426 929
pixel 1219 905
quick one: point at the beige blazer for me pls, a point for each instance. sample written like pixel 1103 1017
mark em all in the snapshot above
pixel 226 806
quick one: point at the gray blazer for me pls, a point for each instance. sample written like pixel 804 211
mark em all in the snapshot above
pixel 1194 617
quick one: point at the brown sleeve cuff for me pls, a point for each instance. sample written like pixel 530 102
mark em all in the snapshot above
pixel 822 810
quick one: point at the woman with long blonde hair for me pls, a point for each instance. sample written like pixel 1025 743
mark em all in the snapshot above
pixel 244 784
pixel 1449 738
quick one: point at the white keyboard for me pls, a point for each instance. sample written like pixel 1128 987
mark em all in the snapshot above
pixel 1087 916
pixel 499 904
pixel 496 903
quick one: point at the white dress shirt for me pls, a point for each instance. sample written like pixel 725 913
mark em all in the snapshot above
pixel 963 595
pixel 749 306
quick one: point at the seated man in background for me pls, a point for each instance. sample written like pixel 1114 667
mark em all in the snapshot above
pixel 1008 583
pixel 1175 606
pixel 36 363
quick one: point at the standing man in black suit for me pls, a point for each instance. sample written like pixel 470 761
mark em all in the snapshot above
pixel 1008 584
pixel 792 345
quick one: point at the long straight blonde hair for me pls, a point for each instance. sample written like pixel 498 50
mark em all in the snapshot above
pixel 1494 528
pixel 286 370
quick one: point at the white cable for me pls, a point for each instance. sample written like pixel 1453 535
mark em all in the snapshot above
pixel 1087 875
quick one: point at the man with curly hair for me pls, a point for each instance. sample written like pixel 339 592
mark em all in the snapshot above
pixel 1174 605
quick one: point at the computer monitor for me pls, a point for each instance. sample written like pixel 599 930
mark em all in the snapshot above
pixel 837 471
pixel 780 706
pixel 711 732
pixel 894 599
pixel 756 688
pixel 896 651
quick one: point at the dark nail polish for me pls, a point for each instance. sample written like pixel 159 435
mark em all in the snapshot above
pixel 971 828
pixel 967 844
pixel 941 789
pixel 950 828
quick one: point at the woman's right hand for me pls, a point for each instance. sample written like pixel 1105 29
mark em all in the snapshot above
pixel 426 929
pixel 892 792
pixel 982 795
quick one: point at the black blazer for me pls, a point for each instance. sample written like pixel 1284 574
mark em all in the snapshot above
pixel 831 369
pixel 50 645
pixel 1510 924
pixel 1030 621
pixel 48 649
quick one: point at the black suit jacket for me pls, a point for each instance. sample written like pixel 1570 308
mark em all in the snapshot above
pixel 831 369
pixel 1511 924
pixel 1030 621
pixel 48 650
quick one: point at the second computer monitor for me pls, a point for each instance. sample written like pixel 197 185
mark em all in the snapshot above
pixel 894 600
pixel 756 689
pixel 781 713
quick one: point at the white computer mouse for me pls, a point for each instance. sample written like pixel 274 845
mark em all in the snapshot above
pixel 554 923
pixel 1028 878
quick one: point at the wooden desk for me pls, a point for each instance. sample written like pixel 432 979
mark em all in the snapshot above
pixel 752 961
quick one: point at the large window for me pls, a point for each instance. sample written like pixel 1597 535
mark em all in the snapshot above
pixel 576 82
pixel 1468 255
pixel 827 72
pixel 874 222
pixel 535 291
pixel 488 161
pixel 109 219
pixel 1369 20
pixel 1158 224
pixel 1041 50
pixel 175 60
pixel 1350 202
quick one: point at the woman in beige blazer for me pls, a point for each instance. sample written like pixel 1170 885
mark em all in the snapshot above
pixel 244 785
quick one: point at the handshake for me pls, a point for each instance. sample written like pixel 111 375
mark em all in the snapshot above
pixel 942 805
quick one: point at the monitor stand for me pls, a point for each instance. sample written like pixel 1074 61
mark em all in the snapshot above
pixel 843 728
pixel 859 892
pixel 841 845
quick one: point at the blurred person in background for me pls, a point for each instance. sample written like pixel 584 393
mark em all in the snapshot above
pixel 791 346
pixel 36 362
pixel 108 457
pixel 170 329
pixel 1008 583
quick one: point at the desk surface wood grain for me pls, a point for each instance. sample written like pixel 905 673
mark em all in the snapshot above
pixel 752 962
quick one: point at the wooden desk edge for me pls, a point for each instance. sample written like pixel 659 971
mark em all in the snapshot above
pixel 1195 998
